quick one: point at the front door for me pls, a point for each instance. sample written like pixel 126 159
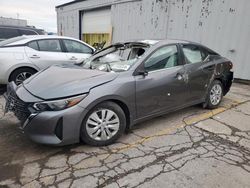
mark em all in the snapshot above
pixel 76 52
pixel 165 86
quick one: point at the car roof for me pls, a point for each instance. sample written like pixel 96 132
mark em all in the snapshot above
pixel 175 41
pixel 28 38
pixel 153 42
pixel 31 37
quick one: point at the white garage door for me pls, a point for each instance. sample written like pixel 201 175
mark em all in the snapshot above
pixel 97 21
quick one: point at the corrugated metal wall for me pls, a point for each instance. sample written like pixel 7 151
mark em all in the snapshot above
pixel 68 23
pixel 139 19
pixel 220 24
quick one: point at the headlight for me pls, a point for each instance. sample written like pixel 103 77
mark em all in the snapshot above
pixel 58 104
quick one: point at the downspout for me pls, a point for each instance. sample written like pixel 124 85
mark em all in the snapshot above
pixel 168 17
pixel 80 25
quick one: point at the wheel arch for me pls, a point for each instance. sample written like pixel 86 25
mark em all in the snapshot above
pixel 121 103
pixel 125 109
pixel 226 83
pixel 20 67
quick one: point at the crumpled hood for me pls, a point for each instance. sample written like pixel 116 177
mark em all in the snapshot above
pixel 64 81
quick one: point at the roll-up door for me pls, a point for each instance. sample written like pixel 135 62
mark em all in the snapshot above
pixel 96 27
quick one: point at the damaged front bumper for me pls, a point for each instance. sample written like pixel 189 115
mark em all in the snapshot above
pixel 15 104
pixel 48 127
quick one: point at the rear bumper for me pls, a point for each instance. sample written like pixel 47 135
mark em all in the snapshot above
pixel 228 80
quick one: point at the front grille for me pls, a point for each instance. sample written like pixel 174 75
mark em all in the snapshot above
pixel 16 105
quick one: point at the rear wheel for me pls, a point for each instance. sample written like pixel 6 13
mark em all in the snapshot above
pixel 215 94
pixel 103 125
pixel 19 75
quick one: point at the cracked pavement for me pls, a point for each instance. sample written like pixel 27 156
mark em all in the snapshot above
pixel 193 147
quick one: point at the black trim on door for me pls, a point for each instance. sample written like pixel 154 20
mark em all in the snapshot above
pixel 63 47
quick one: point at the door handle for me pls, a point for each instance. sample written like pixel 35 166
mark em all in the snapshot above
pixel 34 56
pixel 209 68
pixel 73 58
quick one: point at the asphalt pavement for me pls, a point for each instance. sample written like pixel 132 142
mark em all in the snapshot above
pixel 193 147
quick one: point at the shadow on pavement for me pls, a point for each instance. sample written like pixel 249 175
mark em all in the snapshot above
pixel 2 89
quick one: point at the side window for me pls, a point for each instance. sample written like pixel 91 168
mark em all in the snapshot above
pixel 49 45
pixel 33 45
pixel 165 57
pixel 27 32
pixel 77 47
pixel 6 33
pixel 193 54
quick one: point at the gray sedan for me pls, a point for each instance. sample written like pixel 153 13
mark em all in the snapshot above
pixel 116 88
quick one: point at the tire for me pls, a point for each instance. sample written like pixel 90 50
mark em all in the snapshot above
pixel 21 74
pixel 95 127
pixel 214 95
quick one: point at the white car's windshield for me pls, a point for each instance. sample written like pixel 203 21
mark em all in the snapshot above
pixel 116 59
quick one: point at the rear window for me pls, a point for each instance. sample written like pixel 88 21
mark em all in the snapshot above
pixel 6 33
pixel 12 40
pixel 208 51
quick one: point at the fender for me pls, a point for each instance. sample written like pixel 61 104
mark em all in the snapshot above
pixel 130 109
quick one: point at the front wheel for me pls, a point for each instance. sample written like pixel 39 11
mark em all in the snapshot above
pixel 103 125
pixel 215 94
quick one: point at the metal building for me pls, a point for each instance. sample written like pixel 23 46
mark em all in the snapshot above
pixel 13 22
pixel 222 25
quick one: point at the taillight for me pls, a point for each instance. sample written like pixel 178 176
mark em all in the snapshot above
pixel 231 65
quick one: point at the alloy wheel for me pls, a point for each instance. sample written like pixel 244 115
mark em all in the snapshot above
pixel 21 77
pixel 215 94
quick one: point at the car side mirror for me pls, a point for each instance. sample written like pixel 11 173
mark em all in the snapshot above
pixel 142 72
pixel 207 59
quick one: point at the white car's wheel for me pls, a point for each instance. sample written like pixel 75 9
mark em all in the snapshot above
pixel 19 75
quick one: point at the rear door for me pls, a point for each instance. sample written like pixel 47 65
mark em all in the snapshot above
pixel 46 52
pixel 164 88
pixel 198 79
pixel 76 52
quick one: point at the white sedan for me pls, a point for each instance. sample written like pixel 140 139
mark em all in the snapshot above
pixel 23 56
